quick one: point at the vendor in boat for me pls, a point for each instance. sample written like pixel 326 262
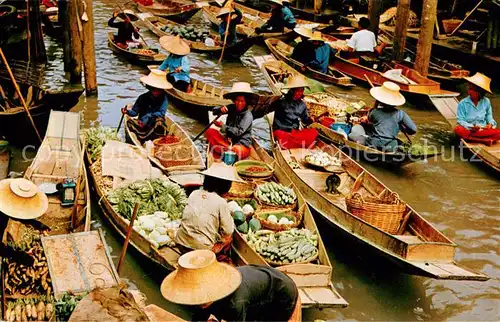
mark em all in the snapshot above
pixel 380 128
pixel 206 221
pixel 219 291
pixel 322 53
pixel 304 52
pixel 474 113
pixel 150 107
pixel 126 30
pixel 281 18
pixel 290 112
pixel 224 15
pixel 176 65
pixel 363 40
pixel 236 134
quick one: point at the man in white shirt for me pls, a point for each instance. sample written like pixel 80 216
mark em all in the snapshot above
pixel 363 40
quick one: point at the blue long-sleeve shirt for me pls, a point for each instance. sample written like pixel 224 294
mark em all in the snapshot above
pixel 322 58
pixel 280 19
pixel 386 124
pixel 231 36
pixel 172 62
pixel 288 114
pixel 149 107
pixel 469 114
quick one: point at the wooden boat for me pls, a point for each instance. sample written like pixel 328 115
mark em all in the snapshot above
pixel 172 10
pixel 164 256
pixel 252 19
pixel 489 155
pixel 149 58
pixel 156 24
pixel 282 51
pixel 314 280
pixel 186 175
pixel 417 247
pixel 16 127
pixel 52 27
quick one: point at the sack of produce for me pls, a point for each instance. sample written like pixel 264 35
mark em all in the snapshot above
pixel 274 194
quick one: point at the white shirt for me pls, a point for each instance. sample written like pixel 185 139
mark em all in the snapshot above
pixel 363 40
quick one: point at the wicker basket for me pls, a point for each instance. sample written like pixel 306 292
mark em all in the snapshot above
pixel 273 206
pixel 158 146
pixel 241 190
pixel 450 24
pixel 174 155
pixel 273 263
pixel 279 213
pixel 376 212
pixel 244 201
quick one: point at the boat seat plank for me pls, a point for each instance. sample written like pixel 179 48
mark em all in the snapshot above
pixel 320 296
pixel 449 271
pixel 409 239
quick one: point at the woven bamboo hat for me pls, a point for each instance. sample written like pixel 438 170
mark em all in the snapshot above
pixel 296 81
pixel 303 31
pixel 129 13
pixel 223 171
pixel 156 79
pixel 388 94
pixel 280 2
pixel 21 199
pixel 242 88
pixel 480 80
pixel 224 11
pixel 316 36
pixel 200 279
pixel 175 45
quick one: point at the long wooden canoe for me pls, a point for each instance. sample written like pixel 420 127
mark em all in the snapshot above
pixel 164 256
pixel 314 280
pixel 156 25
pixel 180 12
pixel 134 56
pixel 417 248
pixel 283 51
pixel 490 155
pixel 186 175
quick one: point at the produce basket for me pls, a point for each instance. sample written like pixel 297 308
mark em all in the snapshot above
pixel 450 24
pixel 273 263
pixel 166 140
pixel 241 190
pixel 271 204
pixel 385 214
pixel 245 201
pixel 254 169
pixel 262 215
pixel 174 155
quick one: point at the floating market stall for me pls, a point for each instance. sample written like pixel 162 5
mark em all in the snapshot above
pixel 143 55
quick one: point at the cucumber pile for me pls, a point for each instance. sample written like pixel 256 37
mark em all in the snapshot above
pixel 284 247
pixel 275 194
pixel 186 32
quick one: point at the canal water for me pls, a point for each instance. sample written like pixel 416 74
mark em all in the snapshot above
pixel 460 198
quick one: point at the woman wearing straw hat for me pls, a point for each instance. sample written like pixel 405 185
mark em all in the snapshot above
pixel 322 53
pixel 236 134
pixel 177 63
pixel 290 111
pixel 125 29
pixel 150 107
pixel 246 293
pixel 206 221
pixel 474 113
pixel 304 51
pixel 281 18
pixel 224 15
pixel 385 121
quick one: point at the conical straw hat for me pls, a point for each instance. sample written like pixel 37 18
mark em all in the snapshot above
pixel 200 279
pixel 303 31
pixel 480 80
pixel 224 11
pixel 223 171
pixel 240 88
pixel 175 45
pixel 316 36
pixel 156 79
pixel 388 94
pixel 280 2
pixel 296 81
pixel 21 199
pixel 129 13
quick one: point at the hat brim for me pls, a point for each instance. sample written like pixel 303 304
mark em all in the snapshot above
pixel 204 293
pixel 252 98
pixel 223 176
pixel 21 208
pixel 471 80
pixel 132 17
pixel 165 43
pixel 379 94
pixel 147 81
pixel 299 32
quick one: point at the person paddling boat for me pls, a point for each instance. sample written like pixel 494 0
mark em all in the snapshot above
pixel 177 63
pixel 220 291
pixel 281 18
pixel 128 35
pixel 236 134
pixel 474 113
pixel 235 18
pixel 304 52
pixel 150 107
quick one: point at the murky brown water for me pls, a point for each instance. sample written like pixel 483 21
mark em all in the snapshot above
pixel 459 198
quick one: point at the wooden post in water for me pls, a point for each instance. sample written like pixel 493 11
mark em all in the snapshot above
pixel 75 54
pixel 89 68
pixel 317 6
pixel 63 20
pixel 374 12
pixel 424 45
pixel 402 19
pixel 36 44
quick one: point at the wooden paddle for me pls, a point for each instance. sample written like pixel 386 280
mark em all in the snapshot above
pixel 121 121
pixel 207 127
pixel 127 238
pixel 123 12
pixel 225 37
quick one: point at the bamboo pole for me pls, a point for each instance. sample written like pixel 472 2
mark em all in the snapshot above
pixel 19 93
pixel 225 36
pixel 127 238
pixel 374 12
pixel 89 65
pixel 402 18
pixel 424 45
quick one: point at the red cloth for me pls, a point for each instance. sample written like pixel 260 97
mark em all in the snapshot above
pixel 296 139
pixel 486 136
pixel 145 2
pixel 222 250
pixel 219 144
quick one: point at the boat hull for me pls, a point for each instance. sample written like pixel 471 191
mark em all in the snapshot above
pixel 134 57
pixel 185 13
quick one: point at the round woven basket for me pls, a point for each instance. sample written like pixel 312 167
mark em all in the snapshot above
pixel 277 227
pixel 241 190
pixel 384 216
pixel 174 155
pixel 158 146
pixel 273 263
pixel 273 206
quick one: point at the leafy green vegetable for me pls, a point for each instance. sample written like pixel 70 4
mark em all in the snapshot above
pixel 66 305
pixel 96 137
pixel 417 149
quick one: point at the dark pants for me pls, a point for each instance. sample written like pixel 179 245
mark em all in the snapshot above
pixel 180 85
